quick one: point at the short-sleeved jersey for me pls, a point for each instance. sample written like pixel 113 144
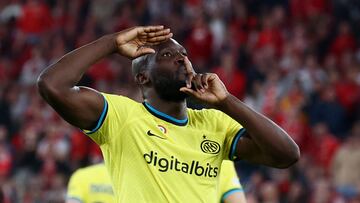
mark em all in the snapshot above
pixel 91 185
pixel 229 180
pixel 153 157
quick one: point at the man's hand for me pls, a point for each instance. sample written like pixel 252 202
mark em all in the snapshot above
pixel 134 42
pixel 208 87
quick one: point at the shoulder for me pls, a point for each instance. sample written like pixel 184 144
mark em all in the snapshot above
pixel 121 105
pixel 89 170
pixel 205 113
pixel 210 116
pixel 113 98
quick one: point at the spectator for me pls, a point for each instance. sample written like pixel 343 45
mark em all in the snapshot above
pixel 322 192
pixel 348 90
pixel 270 36
pixel 311 75
pixel 6 158
pixel 32 67
pixel 269 193
pixel 297 193
pixel 36 18
pixel 234 79
pixel 325 108
pixel 345 167
pixel 200 42
pixel 324 146
pixel 344 41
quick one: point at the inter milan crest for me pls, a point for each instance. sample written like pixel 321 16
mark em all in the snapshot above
pixel 209 146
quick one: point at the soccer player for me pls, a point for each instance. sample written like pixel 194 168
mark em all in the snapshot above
pixel 159 150
pixel 92 184
pixel 230 189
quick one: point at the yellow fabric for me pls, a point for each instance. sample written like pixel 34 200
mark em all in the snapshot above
pixel 228 179
pixel 91 184
pixel 172 164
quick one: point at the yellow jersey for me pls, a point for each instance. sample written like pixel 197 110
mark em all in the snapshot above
pixel 91 185
pixel 229 180
pixel 153 157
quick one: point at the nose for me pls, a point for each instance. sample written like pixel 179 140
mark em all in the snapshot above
pixel 180 58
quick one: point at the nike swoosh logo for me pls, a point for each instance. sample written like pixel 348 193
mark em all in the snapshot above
pixel 151 134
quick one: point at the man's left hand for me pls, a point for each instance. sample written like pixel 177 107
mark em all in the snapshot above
pixel 207 87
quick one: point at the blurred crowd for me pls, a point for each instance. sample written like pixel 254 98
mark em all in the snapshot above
pixel 296 61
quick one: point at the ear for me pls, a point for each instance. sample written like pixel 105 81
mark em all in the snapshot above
pixel 142 78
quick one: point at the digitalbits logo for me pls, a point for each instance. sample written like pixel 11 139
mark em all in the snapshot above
pixel 209 146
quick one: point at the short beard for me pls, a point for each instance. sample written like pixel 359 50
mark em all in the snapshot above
pixel 168 88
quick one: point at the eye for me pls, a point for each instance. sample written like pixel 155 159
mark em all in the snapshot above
pixel 166 54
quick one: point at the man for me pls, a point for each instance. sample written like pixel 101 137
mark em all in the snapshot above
pixel 230 189
pixel 160 151
pixel 92 184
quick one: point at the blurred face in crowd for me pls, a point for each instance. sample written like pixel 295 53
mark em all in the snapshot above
pixel 355 131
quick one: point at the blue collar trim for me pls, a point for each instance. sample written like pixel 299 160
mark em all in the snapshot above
pixel 164 116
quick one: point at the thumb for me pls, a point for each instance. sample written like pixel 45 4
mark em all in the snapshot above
pixel 144 50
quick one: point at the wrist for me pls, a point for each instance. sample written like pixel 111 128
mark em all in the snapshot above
pixel 111 43
pixel 223 103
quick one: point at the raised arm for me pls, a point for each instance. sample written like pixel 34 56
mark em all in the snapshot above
pixel 82 106
pixel 264 142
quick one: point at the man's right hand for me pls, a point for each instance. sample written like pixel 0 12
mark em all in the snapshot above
pixel 136 41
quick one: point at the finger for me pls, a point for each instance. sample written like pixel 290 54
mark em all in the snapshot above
pixel 198 83
pixel 152 28
pixel 145 31
pixel 189 79
pixel 160 39
pixel 189 91
pixel 190 73
pixel 204 80
pixel 143 51
pixel 158 33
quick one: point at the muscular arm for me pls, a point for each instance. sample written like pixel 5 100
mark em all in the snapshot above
pixel 265 142
pixel 82 106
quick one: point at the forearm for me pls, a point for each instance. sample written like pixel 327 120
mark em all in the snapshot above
pixel 66 73
pixel 274 143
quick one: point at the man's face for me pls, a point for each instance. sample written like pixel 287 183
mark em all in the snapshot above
pixel 167 70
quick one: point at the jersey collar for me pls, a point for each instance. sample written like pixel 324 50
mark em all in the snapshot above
pixel 164 116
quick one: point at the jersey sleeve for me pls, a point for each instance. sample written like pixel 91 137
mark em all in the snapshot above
pixel 115 113
pixel 229 181
pixel 233 132
pixel 77 187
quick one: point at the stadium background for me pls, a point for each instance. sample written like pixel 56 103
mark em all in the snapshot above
pixel 296 61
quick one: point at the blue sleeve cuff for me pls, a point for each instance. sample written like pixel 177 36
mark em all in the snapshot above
pixel 232 154
pixel 229 192
pixel 101 119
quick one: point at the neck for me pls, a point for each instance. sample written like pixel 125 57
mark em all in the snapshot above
pixel 174 109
